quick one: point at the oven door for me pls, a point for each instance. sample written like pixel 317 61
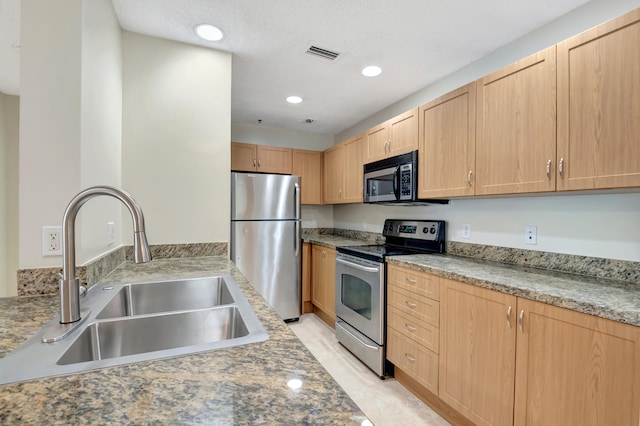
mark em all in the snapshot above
pixel 360 295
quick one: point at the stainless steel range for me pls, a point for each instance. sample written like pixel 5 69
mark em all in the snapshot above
pixel 361 285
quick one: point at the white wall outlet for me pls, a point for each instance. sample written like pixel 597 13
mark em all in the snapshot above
pixel 466 230
pixel 111 233
pixel 52 240
pixel 531 234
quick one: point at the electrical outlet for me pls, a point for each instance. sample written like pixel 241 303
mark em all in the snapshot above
pixel 51 240
pixel 531 234
pixel 111 233
pixel 466 230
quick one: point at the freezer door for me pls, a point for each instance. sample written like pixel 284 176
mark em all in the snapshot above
pixel 268 255
pixel 264 197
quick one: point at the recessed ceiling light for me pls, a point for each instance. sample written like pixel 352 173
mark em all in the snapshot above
pixel 371 71
pixel 209 32
pixel 294 99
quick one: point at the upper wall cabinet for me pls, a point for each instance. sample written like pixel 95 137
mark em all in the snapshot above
pixel 308 165
pixel 260 158
pixel 599 107
pixel 393 137
pixel 343 179
pixel 516 127
pixel 447 149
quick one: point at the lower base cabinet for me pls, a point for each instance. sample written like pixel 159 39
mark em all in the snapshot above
pixel 505 360
pixel 323 283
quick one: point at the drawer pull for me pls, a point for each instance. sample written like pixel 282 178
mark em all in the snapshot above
pixel 509 317
pixel 410 358
pixel 412 280
pixel 410 328
pixel 410 304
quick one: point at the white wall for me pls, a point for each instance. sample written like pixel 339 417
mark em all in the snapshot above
pixel 69 121
pixel 263 135
pixel 176 139
pixel 9 138
pixel 101 126
pixel 600 225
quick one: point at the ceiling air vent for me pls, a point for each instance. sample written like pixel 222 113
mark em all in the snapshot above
pixel 323 53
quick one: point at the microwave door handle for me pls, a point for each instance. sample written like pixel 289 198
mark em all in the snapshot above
pixel 396 182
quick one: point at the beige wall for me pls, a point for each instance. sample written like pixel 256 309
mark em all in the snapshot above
pixel 176 134
pixel 9 138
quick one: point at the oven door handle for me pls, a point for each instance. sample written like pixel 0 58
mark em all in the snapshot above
pixel 355 265
pixel 365 344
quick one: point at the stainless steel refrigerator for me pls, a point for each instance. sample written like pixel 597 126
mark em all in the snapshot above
pixel 265 237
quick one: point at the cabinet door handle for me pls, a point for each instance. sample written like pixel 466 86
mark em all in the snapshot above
pixel 410 304
pixel 258 163
pixel 469 177
pixel 561 166
pixel 412 280
pixel 254 162
pixel 509 317
pixel 410 358
pixel 410 328
pixel 549 169
pixel 520 321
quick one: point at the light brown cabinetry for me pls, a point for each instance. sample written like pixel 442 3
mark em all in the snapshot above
pixel 308 165
pixel 447 145
pixel 599 106
pixel 307 305
pixel 413 324
pixel 477 352
pixel 516 127
pixel 575 369
pixel 507 360
pixel 323 282
pixel 343 179
pixel 396 136
pixel 260 158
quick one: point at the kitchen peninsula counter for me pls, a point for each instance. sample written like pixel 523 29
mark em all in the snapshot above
pixel 238 385
pixel 610 299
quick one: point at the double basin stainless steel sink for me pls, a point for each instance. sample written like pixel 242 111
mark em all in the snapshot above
pixel 125 323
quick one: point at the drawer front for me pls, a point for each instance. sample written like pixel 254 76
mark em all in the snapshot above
pixel 423 334
pixel 420 363
pixel 426 285
pixel 421 308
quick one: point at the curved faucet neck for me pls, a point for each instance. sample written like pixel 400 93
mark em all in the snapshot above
pixel 69 284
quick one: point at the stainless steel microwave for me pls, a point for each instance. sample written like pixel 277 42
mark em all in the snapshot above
pixel 391 180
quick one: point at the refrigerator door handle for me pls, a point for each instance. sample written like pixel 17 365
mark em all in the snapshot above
pixel 298 231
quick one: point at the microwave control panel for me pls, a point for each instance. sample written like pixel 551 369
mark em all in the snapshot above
pixel 406 184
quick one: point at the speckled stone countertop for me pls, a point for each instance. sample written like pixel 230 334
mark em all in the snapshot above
pixel 333 241
pixel 611 299
pixel 240 385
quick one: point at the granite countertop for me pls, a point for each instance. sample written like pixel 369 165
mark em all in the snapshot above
pixel 610 299
pixel 333 241
pixel 239 385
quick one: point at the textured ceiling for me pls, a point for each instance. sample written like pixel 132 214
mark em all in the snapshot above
pixel 414 41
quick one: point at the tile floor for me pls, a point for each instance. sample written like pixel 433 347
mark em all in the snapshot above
pixel 385 402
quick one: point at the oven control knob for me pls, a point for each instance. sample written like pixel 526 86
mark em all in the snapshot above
pixel 425 230
pixel 433 230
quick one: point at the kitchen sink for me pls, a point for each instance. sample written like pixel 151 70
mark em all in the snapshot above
pixel 139 322
pixel 130 336
pixel 149 298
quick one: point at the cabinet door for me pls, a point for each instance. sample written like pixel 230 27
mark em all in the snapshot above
pixel 377 142
pixel 447 149
pixel 329 266
pixel 599 106
pixel 273 159
pixel 308 165
pixel 243 157
pixel 333 175
pixel 477 352
pixel 575 369
pixel 354 152
pixel 516 132
pixel 306 279
pixel 403 133
pixel 323 282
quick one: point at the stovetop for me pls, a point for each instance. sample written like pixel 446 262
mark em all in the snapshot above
pixel 403 237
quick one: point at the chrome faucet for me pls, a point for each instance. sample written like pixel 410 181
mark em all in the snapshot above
pixel 70 284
